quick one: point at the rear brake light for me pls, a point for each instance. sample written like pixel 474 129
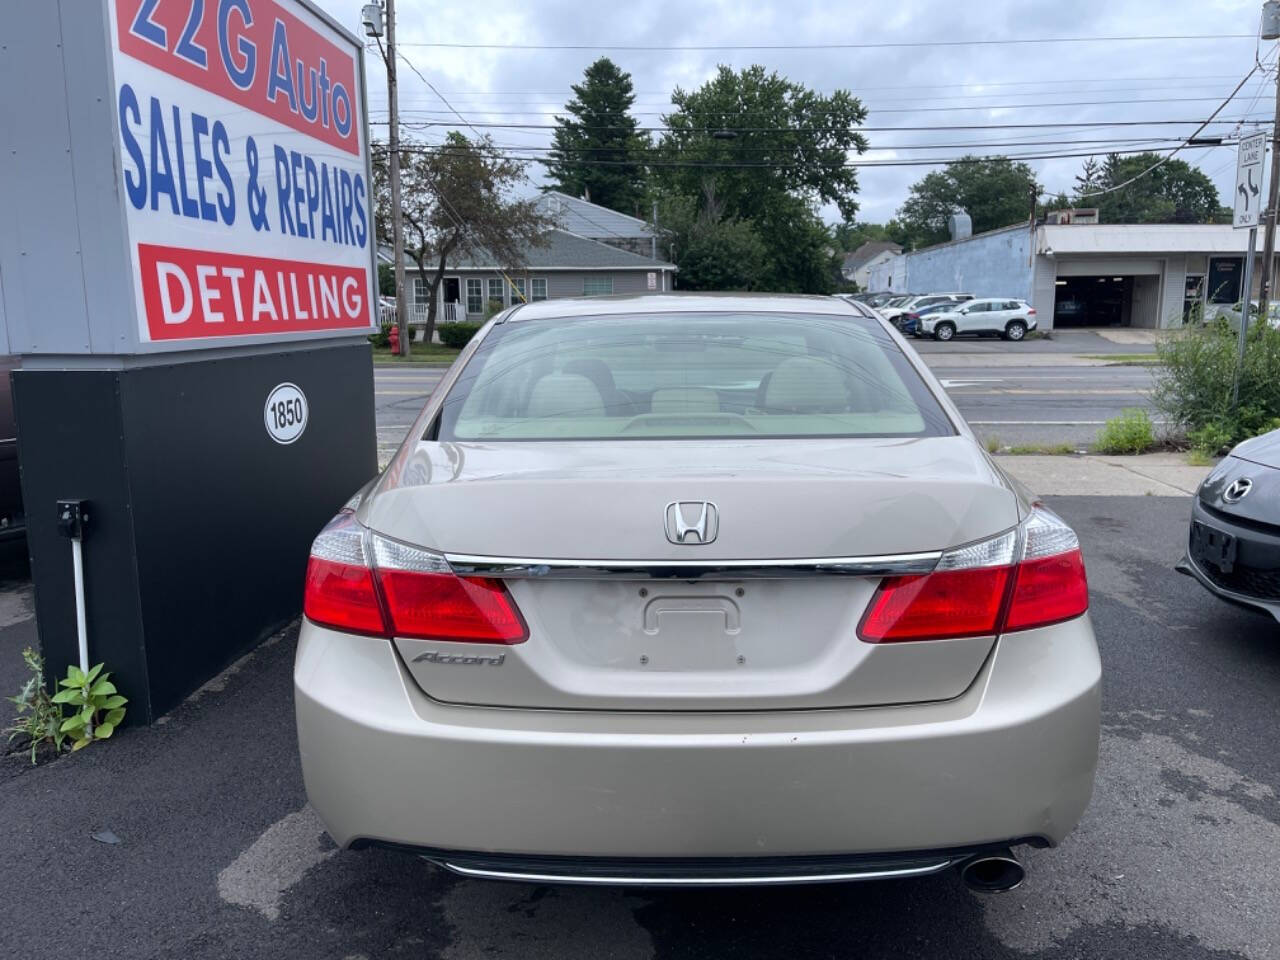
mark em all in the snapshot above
pixel 359 582
pixel 340 591
pixel 425 599
pixel 1031 311
pixel 1052 585
pixel 979 591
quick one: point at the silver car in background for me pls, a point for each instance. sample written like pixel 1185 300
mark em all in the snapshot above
pixel 697 590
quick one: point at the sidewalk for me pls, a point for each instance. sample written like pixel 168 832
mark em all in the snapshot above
pixel 1152 474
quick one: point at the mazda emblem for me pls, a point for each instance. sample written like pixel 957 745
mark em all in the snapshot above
pixel 692 521
pixel 1238 490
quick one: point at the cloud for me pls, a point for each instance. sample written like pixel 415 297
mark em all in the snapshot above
pixel 922 87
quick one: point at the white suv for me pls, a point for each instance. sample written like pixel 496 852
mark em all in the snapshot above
pixel 1011 319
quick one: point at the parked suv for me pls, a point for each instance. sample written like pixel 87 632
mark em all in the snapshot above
pixel 916 304
pixel 1010 319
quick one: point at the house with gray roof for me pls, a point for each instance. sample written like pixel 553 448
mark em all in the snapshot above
pixel 567 265
pixel 590 220
pixel 858 265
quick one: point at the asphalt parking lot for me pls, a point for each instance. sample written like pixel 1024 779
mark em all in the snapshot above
pixel 219 856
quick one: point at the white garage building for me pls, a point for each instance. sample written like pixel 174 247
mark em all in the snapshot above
pixel 1089 274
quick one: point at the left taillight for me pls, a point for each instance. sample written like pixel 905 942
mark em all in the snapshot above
pixel 1030 577
pixel 340 591
pixel 360 582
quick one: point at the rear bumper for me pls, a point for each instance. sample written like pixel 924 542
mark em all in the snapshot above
pixel 697 872
pixel 1011 760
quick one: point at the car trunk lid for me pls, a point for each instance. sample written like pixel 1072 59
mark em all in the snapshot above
pixel 764 616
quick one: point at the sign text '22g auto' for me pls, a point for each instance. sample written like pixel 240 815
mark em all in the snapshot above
pixel 245 169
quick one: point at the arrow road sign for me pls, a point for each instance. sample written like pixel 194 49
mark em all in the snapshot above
pixel 1248 194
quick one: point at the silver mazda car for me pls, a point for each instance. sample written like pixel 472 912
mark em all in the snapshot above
pixel 697 590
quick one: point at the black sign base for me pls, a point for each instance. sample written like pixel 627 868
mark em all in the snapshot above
pixel 197 523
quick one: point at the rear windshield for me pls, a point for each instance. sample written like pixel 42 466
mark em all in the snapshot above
pixel 689 376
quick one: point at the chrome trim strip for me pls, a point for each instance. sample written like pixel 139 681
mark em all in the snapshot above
pixel 523 568
pixel 741 880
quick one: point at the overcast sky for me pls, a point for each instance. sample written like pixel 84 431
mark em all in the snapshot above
pixel 918 87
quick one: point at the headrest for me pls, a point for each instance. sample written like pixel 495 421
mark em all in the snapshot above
pixel 565 395
pixel 806 385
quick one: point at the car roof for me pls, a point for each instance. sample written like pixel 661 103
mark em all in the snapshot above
pixel 621 304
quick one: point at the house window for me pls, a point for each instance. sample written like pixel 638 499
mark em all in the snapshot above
pixel 495 290
pixel 597 286
pixel 475 296
pixel 538 288
pixel 520 296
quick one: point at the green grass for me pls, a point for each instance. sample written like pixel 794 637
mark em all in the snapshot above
pixel 1125 359
pixel 420 353
pixel 994 446
pixel 1131 432
pixel 1043 449
pixel 1199 458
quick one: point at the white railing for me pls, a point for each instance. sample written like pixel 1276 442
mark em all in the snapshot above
pixel 445 313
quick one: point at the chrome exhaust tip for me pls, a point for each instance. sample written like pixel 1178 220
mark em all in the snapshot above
pixel 992 872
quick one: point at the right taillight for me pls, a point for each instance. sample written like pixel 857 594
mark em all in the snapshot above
pixel 1051 585
pixel 980 590
pixel 360 582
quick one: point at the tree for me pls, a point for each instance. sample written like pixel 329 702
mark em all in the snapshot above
pixel 994 191
pixel 597 152
pixel 771 151
pixel 454 202
pixel 386 280
pixel 1173 192
pixel 714 252
pixel 1089 179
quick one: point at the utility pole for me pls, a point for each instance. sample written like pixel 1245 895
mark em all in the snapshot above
pixel 1270 31
pixel 397 219
pixel 653 246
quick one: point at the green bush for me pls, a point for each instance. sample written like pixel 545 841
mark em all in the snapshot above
pixel 1193 387
pixel 98 706
pixel 1209 440
pixel 1131 432
pixel 458 334
pixel 383 337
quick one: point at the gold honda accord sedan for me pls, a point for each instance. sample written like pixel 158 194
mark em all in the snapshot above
pixel 689 590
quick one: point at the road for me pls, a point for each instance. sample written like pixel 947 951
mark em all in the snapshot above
pixel 1015 405
pixel 219 856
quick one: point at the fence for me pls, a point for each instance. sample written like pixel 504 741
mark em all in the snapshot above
pixel 445 313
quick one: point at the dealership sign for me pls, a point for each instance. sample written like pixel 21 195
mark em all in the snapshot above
pixel 243 169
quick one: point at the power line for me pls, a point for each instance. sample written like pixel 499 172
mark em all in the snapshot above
pixel 851 164
pixel 1169 156
pixel 865 45
pixel 854 86
pixel 640 153
pixel 409 63
pixel 425 124
pixel 701 114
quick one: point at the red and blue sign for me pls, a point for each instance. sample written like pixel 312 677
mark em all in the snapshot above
pixel 244 168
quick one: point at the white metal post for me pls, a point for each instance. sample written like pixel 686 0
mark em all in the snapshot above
pixel 1247 295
